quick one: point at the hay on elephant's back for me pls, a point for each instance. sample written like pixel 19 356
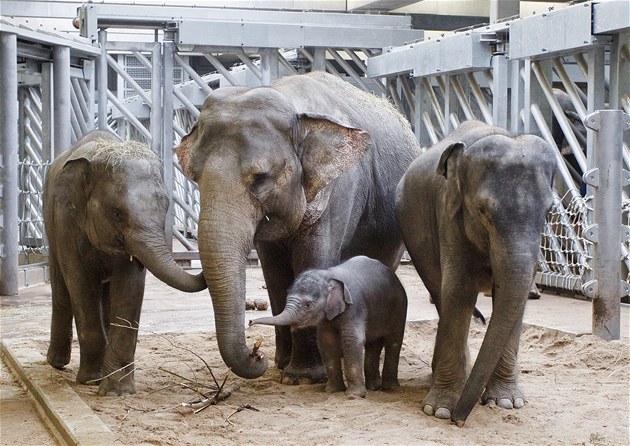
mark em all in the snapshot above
pixel 113 153
pixel 382 108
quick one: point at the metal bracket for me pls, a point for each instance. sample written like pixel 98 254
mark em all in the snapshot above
pixel 590 288
pixel 591 177
pixel 592 121
pixel 591 233
pixel 624 288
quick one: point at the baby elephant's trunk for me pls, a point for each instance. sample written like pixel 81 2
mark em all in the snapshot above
pixel 285 318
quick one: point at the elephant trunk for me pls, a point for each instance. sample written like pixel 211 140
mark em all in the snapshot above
pixel 513 269
pixel 227 223
pixel 287 317
pixel 151 249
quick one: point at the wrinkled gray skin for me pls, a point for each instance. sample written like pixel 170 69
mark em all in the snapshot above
pixel 104 226
pixel 471 210
pixel 305 171
pixel 359 307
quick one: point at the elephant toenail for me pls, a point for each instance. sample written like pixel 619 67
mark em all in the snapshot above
pixel 428 410
pixel 505 403
pixel 518 403
pixel 443 413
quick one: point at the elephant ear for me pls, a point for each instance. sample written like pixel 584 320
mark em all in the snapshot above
pixel 338 297
pixel 453 151
pixel 446 167
pixel 327 148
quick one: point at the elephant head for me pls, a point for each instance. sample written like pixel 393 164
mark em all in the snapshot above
pixel 263 169
pixel 500 190
pixel 116 192
pixel 313 298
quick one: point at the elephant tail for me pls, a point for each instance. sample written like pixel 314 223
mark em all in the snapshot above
pixel 479 316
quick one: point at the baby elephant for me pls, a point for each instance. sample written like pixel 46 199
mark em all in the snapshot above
pixel 358 307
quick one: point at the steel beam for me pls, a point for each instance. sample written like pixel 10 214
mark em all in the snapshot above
pixel 8 165
pixel 289 35
pixel 606 180
pixel 62 107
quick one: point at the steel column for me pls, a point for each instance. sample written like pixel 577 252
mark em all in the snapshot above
pixel 168 140
pixel 61 105
pixel 606 180
pixel 268 65
pixel 101 80
pixel 500 91
pixel 155 125
pixel 8 165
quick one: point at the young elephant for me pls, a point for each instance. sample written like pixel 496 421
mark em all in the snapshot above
pixel 472 209
pixel 105 207
pixel 358 307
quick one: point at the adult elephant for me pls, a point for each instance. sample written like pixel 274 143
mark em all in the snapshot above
pixel 304 170
pixel 471 210
pixel 105 208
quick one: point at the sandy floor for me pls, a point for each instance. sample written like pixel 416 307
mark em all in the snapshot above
pixel 577 393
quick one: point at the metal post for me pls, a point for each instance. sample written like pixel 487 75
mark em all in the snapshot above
pixel 8 165
pixel 500 9
pixel 101 80
pixel 61 105
pixel 605 179
pixel 47 114
pixel 268 65
pixel 517 91
pixel 168 52
pixel 500 91
pixel 319 59
pixel 155 126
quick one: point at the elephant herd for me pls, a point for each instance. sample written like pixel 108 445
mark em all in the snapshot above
pixel 311 172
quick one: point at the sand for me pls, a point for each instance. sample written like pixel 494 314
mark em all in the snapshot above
pixel 577 393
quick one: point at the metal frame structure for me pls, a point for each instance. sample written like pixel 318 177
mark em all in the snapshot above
pixel 504 74
pixel 46 104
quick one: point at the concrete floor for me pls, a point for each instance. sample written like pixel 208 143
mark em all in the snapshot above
pixel 168 310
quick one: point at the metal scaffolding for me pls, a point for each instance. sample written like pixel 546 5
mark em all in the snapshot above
pixel 547 74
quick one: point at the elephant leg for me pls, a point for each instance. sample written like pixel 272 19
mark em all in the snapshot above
pixel 353 346
pixel 329 344
pixel 450 357
pixel 61 323
pixel 372 364
pixel 502 388
pixel 296 350
pixel 126 294
pixel 86 294
pixel 393 345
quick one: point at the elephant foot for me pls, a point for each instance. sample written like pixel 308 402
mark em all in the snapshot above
pixel 374 383
pixel 293 375
pixel 503 394
pixel 440 403
pixel 332 387
pixel 356 392
pixel 90 376
pixel 119 383
pixel 58 358
pixel 390 384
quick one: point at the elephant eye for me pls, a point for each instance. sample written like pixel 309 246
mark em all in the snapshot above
pixel 259 180
pixel 117 215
